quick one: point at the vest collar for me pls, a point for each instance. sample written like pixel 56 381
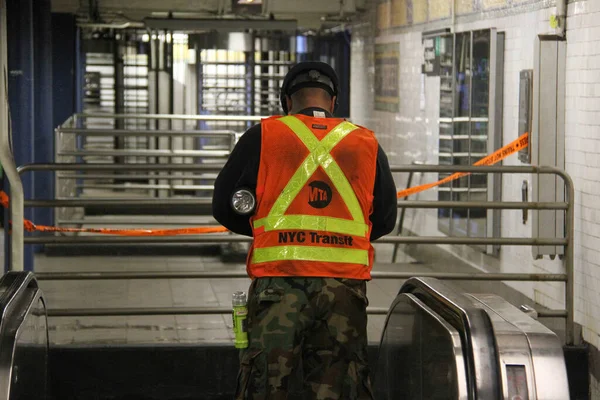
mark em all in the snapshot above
pixel 316 112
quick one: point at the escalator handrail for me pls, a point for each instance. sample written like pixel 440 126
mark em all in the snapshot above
pixel 475 328
pixel 13 286
pixel 402 298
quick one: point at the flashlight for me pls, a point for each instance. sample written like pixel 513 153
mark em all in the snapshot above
pixel 243 202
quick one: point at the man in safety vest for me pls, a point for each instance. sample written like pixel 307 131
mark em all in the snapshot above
pixel 323 191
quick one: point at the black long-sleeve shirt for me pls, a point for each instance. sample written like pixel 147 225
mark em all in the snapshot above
pixel 241 171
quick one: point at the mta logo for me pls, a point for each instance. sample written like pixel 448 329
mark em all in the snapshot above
pixel 319 194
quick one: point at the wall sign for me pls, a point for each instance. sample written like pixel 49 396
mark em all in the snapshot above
pixel 431 46
pixel 387 66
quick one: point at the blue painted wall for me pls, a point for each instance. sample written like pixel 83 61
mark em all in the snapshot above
pixel 30 93
pixel 43 134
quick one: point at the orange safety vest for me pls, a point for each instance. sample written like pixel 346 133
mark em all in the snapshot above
pixel 314 196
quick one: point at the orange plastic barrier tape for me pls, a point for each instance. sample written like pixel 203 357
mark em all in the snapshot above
pixel 499 155
pixel 31 227
pixel 493 158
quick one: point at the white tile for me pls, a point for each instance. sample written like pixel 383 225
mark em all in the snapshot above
pixel 575 22
pixel 582 130
pixel 591 47
pixel 590 19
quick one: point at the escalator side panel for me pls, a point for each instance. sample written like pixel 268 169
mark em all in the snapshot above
pixel 514 358
pixel 547 377
pixel 420 357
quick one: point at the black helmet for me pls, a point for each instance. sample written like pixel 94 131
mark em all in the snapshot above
pixel 309 74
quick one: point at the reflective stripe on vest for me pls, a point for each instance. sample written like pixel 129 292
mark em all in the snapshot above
pixel 319 156
pixel 310 253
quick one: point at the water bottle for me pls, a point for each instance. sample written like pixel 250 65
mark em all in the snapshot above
pixel 240 326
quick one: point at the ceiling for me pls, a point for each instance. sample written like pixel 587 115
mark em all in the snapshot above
pixel 310 14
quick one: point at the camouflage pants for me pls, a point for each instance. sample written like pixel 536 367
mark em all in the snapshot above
pixel 314 325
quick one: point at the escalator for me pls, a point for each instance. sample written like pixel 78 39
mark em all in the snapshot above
pixel 438 344
pixel 441 344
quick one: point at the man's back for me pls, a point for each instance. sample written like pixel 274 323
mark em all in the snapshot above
pixel 323 191
pixel 314 197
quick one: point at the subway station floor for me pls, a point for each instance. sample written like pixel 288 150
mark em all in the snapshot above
pixel 211 329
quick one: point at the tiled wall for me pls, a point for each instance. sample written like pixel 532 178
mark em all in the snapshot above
pixel 411 134
pixel 583 156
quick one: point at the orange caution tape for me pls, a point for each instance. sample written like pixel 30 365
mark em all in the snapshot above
pixel 4 199
pixel 499 155
pixel 31 227
pixel 493 158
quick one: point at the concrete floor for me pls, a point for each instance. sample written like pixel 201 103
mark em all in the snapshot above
pixel 171 292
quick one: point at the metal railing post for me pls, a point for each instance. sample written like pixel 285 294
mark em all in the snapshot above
pixel 569 261
pixel 7 159
pixel 403 211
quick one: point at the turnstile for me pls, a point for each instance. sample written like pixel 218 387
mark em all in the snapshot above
pixel 442 344
pixel 437 344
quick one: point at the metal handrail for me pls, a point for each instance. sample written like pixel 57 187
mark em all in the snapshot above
pixel 148 132
pixel 232 118
pixel 426 168
pixel 212 239
pixel 145 153
pixel 145 186
pixel 73 276
pixel 203 201
pixel 118 176
pixel 164 221
pixel 114 167
pixel 135 311
pixel 567 241
pixel 112 203
pixel 131 311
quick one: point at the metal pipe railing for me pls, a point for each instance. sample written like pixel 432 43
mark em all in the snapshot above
pixel 216 168
pixel 226 118
pixel 204 201
pixel 567 206
pixel 165 221
pixel 145 186
pixel 147 132
pixel 124 176
pixel 135 311
pixel 114 167
pixel 144 153
pixel 112 203
pixel 74 276
pixel 212 239
pixel 6 155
